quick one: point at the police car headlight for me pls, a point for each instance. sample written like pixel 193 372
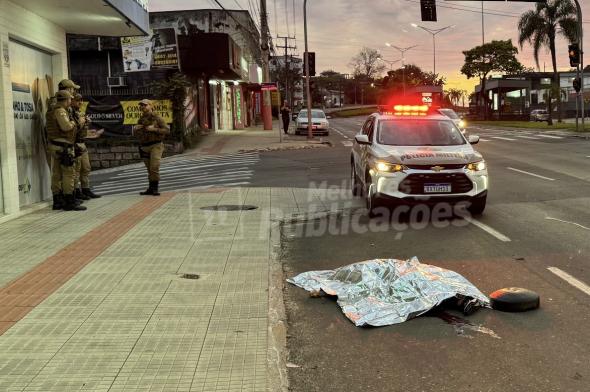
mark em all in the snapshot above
pixel 462 124
pixel 389 167
pixel 477 166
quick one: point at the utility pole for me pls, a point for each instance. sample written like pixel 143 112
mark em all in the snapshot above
pixel 266 100
pixel 483 32
pixel 286 74
pixel 307 79
pixel 581 73
pixel 287 67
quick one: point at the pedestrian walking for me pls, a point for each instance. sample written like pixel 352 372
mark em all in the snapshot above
pixel 151 130
pixel 82 167
pixel 61 133
pixel 286 116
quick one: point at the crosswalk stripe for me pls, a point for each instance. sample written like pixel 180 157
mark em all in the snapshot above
pixel 550 136
pixel 483 140
pixel 169 166
pixel 503 138
pixel 527 137
pixel 142 182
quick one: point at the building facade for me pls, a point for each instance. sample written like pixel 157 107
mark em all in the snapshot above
pixel 514 97
pixel 33 60
pixel 218 50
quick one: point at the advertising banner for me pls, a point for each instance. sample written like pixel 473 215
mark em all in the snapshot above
pixel 118 114
pixel 156 51
pixel 33 171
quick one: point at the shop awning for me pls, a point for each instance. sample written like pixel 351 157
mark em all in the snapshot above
pixel 94 17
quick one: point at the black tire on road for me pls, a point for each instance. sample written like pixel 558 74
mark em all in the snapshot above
pixel 373 203
pixel 514 299
pixel 357 190
pixel 478 205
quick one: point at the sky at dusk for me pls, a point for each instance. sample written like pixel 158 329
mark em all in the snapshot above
pixel 338 29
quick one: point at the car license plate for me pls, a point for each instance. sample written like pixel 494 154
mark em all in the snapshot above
pixel 437 188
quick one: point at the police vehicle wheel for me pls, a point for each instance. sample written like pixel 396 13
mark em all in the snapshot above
pixel 478 205
pixel 372 202
pixel 514 299
pixel 355 183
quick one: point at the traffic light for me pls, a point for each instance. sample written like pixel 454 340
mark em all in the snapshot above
pixel 574 52
pixel 428 9
pixel 311 57
pixel 577 84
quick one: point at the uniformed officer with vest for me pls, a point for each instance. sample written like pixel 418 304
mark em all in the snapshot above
pixel 82 166
pixel 61 133
pixel 151 130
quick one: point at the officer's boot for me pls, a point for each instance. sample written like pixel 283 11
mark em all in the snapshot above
pixel 154 185
pixel 58 202
pixel 90 194
pixel 80 195
pixel 70 204
pixel 149 191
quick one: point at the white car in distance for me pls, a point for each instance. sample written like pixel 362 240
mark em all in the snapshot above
pixel 319 122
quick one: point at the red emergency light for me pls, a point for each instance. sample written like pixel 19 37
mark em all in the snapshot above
pixel 405 110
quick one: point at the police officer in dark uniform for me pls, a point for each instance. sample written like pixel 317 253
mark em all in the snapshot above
pixel 61 132
pixel 151 130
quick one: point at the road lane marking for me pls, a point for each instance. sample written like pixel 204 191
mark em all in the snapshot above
pixel 504 138
pixel 528 137
pixel 531 174
pixel 488 229
pixel 571 223
pixel 550 136
pixel 347 143
pixel 571 280
pixel 483 140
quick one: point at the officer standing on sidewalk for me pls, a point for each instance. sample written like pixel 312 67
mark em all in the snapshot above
pixel 151 130
pixel 82 166
pixel 61 132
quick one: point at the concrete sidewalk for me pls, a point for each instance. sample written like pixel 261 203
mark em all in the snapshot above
pixel 252 139
pixel 149 294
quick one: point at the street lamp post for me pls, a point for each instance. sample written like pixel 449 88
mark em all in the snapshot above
pixel 402 51
pixel 433 32
pixel 390 62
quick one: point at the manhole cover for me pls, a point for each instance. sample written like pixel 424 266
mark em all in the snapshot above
pixel 190 276
pixel 230 207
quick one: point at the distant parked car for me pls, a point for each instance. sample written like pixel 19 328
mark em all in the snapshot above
pixel 319 121
pixel 539 115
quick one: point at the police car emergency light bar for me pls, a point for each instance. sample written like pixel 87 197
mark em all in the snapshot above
pixel 404 110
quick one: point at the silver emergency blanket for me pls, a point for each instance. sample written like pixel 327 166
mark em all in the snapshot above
pixel 388 291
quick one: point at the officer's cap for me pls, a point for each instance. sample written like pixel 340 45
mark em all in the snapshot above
pixel 145 102
pixel 67 83
pixel 62 95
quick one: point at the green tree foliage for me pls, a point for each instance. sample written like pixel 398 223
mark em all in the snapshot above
pixel 393 83
pixel 540 28
pixel 492 57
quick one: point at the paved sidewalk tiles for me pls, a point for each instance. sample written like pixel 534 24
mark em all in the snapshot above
pixel 97 301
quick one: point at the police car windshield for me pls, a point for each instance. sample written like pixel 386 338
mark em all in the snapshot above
pixel 419 133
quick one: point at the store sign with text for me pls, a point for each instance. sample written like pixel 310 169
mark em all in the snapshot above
pixel 157 51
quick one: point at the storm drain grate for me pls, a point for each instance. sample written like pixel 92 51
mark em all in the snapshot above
pixel 190 276
pixel 230 207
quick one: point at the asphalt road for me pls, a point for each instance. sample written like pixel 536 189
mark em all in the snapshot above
pixel 537 221
pixel 536 229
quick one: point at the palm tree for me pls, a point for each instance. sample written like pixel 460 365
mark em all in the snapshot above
pixel 540 27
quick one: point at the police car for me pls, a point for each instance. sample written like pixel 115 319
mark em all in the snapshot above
pixel 412 153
